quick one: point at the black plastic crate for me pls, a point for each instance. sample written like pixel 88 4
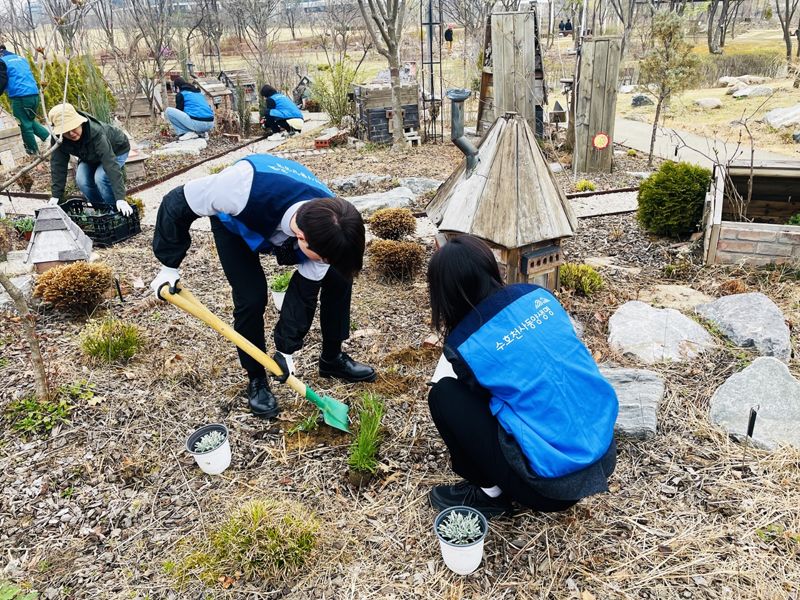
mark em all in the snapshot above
pixel 104 226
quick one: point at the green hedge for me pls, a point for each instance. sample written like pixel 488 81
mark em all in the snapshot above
pixel 671 200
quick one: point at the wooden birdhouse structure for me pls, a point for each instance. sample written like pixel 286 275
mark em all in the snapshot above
pixel 235 79
pixel 56 240
pixel 505 193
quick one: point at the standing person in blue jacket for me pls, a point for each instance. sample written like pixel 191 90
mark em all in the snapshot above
pixel 263 204
pixel 280 113
pixel 16 79
pixel 524 411
pixel 192 116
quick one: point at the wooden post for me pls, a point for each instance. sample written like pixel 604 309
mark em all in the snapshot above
pixel 596 104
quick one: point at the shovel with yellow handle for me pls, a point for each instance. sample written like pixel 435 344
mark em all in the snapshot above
pixel 333 412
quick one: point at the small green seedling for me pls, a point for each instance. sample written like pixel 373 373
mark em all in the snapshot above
pixel 794 220
pixel 584 185
pixel 210 441
pixel 364 449
pixel 24 224
pixel 280 283
pixel 460 528
pixel 310 423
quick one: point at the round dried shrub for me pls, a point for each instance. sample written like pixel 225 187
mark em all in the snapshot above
pixel 393 223
pixel 77 286
pixel 111 340
pixel 396 261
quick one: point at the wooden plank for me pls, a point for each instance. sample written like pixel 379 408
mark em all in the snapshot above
pixel 614 59
pixel 597 102
pixel 583 101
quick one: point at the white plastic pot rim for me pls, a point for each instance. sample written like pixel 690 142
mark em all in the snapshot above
pixel 465 509
pixel 202 431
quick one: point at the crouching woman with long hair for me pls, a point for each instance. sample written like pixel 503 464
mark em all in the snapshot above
pixel 525 413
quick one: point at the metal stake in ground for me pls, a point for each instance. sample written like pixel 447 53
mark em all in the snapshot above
pixel 334 412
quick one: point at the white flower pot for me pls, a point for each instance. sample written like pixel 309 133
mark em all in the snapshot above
pixel 461 559
pixel 214 461
pixel 277 298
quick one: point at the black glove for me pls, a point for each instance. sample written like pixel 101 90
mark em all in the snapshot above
pixel 286 254
pixel 281 361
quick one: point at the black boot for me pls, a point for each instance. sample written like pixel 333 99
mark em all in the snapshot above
pixel 261 400
pixel 465 493
pixel 345 368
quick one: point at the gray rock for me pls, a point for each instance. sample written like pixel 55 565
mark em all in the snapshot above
pixel 577 326
pixel 399 197
pixel 735 87
pixel 728 81
pixel 420 185
pixel 641 100
pixel 656 334
pixel 679 297
pixel 753 79
pixel 750 320
pixel 24 283
pixel 556 167
pixel 796 137
pixel 708 103
pixel 753 92
pixel 640 174
pixel 627 89
pixel 193 147
pixel 640 393
pixel 768 384
pixel 354 182
pixel 783 117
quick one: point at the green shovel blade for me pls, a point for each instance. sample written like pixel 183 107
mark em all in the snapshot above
pixel 334 413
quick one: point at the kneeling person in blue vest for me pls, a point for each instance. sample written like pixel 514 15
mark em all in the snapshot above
pixel 280 113
pixel 263 204
pixel 517 397
pixel 192 116
pixel 101 149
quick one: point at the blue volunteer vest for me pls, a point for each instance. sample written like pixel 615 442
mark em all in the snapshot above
pixel 195 105
pixel 20 79
pixel 546 390
pixel 277 184
pixel 284 108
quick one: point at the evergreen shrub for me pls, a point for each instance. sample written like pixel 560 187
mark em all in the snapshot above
pixel 671 199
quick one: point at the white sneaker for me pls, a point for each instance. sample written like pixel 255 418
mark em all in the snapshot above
pixel 204 135
pixel 188 136
pixel 275 137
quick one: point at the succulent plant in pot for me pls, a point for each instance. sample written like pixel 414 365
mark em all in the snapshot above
pixel 210 447
pixel 461 531
pixel 278 286
pixel 24 226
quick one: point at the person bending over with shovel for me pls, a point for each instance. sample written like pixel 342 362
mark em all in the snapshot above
pixel 263 204
pixel 517 398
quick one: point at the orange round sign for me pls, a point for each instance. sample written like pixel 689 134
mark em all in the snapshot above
pixel 601 141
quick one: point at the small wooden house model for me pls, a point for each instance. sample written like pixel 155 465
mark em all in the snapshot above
pixel 234 79
pixel 512 201
pixel 374 110
pixel 56 240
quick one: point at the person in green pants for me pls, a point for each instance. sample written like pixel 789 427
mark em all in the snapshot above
pixel 16 79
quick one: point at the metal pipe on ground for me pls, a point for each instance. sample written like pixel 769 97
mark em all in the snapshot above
pixel 458 96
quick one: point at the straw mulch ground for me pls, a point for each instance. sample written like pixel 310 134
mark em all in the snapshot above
pixel 96 509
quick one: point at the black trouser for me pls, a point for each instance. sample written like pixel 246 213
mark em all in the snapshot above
pixel 243 270
pixel 469 430
pixel 276 124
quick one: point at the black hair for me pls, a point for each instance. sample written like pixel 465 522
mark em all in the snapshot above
pixel 181 84
pixel 2 46
pixel 267 90
pixel 461 274
pixel 334 229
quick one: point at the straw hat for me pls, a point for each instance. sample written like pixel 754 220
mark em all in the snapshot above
pixel 65 118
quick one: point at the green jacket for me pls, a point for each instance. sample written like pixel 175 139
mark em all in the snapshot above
pixel 99 144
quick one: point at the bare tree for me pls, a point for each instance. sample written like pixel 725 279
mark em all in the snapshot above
pixel 154 20
pixel 67 22
pixel 785 16
pixel 471 15
pixel 17 23
pixel 255 22
pixel 384 21
pixel 290 12
pixel 212 27
pixel 626 13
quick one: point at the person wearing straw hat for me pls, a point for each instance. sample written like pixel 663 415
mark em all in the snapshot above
pixel 16 80
pixel 101 150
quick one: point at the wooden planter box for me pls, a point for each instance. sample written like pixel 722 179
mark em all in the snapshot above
pixel 753 233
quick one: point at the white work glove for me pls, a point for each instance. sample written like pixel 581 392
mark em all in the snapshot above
pixel 286 363
pixel 166 276
pixel 53 202
pixel 125 208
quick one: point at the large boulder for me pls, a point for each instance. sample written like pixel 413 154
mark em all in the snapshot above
pixel 783 117
pixel 399 197
pixel 640 393
pixel 653 335
pixel 708 103
pixel 420 185
pixel 750 320
pixel 641 100
pixel 754 91
pixel 768 385
pixel 351 183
